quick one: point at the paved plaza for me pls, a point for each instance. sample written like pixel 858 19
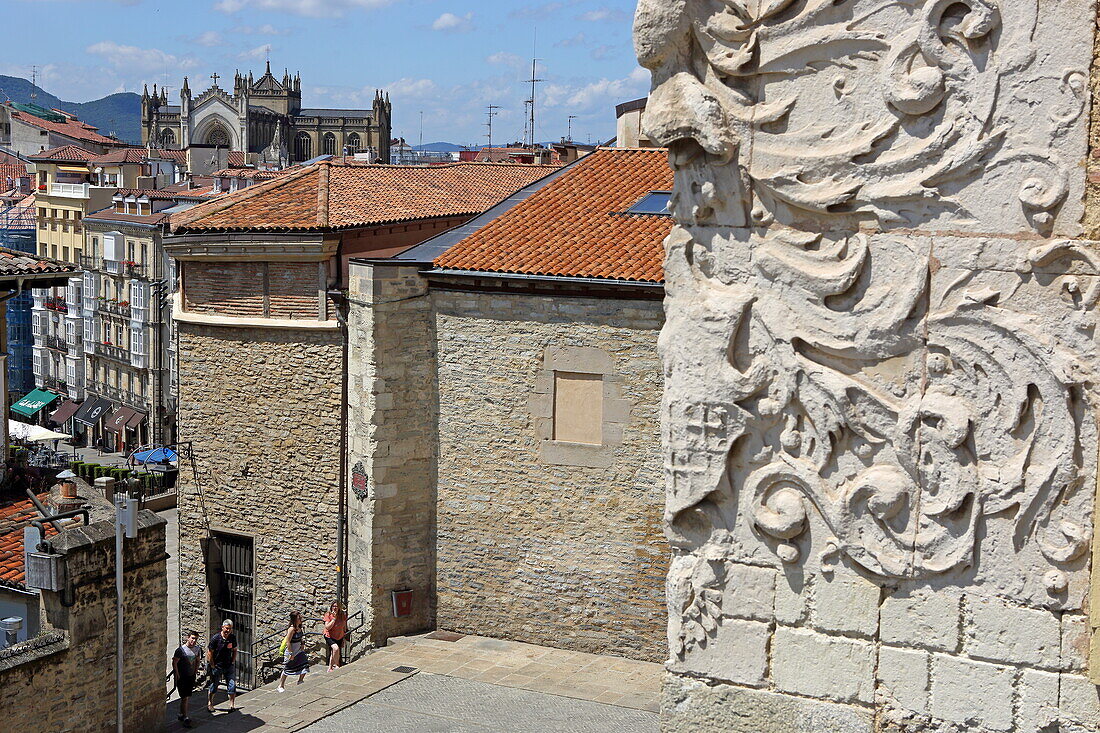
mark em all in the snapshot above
pixel 441 686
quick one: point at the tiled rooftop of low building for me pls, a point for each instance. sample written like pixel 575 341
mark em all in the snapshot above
pixel 14 264
pixel 65 154
pixel 71 127
pixel 330 195
pixel 577 225
pixel 15 515
pixel 121 156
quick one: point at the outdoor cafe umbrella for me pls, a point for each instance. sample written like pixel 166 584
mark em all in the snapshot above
pixel 33 433
pixel 156 455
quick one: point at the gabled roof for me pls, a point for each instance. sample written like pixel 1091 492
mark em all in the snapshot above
pixel 234 160
pixel 15 264
pixel 121 156
pixel 65 154
pixel 327 195
pixel 250 173
pixel 575 226
pixel 71 127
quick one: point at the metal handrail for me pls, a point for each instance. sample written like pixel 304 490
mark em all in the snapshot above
pixel 258 655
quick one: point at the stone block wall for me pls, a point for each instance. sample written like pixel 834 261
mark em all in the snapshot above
pixel 391 437
pixel 880 419
pixel 261 407
pixel 537 540
pixel 64 679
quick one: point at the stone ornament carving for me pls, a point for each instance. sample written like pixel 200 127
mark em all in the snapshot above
pixel 856 371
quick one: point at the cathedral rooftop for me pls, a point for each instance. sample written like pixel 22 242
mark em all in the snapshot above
pixel 330 195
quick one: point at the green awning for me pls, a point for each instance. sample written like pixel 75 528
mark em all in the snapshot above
pixel 33 401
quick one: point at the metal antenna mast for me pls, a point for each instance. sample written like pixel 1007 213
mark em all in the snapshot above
pixel 569 122
pixel 531 101
pixel 491 114
pixel 34 83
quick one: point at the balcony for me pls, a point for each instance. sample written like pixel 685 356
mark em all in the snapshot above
pixel 56 343
pixel 56 303
pixel 90 262
pixel 115 308
pixel 126 268
pixel 70 190
pixel 118 394
pixel 55 385
pixel 110 351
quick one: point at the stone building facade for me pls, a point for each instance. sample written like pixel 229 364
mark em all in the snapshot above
pixel 880 409
pixel 261 377
pixel 503 423
pixel 64 679
pixel 265 117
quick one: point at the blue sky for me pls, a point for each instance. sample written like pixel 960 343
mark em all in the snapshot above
pixel 445 58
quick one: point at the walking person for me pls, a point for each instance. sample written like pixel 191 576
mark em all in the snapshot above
pixel 185 666
pixel 336 628
pixel 296 660
pixel 221 654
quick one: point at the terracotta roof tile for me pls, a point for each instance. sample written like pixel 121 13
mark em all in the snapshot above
pixel 123 155
pixel 71 127
pixel 65 154
pixel 14 517
pixel 329 195
pixel 575 225
pixel 14 264
pixel 12 171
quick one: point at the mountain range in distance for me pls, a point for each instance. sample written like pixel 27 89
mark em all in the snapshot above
pixel 116 114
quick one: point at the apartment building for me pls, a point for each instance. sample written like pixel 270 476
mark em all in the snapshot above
pixel 104 338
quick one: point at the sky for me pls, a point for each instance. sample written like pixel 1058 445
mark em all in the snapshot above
pixel 447 59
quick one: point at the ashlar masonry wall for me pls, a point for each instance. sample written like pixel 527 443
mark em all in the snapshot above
pixel 539 540
pixel 880 412
pixel 64 679
pixel 261 407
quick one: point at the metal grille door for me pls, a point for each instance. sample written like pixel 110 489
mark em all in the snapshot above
pixel 237 600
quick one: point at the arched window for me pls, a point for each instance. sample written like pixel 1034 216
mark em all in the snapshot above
pixel 218 136
pixel 353 143
pixel 167 137
pixel 328 144
pixel 303 146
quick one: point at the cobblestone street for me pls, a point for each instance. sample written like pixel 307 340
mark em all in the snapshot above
pixel 469 684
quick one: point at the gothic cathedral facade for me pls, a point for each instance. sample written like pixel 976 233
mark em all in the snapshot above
pixel 264 117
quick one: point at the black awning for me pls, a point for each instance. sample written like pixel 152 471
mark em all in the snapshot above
pixel 92 410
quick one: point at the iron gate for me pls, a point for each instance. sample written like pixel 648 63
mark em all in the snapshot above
pixel 233 598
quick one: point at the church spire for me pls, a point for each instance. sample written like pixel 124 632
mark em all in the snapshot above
pixel 268 72
pixel 186 89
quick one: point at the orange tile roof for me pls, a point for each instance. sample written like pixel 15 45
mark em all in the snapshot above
pixel 121 156
pixel 71 127
pixel 574 226
pixel 64 154
pixel 12 171
pixel 14 516
pixel 330 195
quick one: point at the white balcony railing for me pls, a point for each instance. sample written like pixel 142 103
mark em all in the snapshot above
pixel 72 190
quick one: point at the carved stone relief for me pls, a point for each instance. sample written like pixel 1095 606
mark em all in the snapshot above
pixel 859 373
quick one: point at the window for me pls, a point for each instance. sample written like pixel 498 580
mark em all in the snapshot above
pixel 65 254
pixel 303 146
pixel 167 137
pixel 328 144
pixel 578 407
pixel 218 137
pixel 353 143
pixel 77 215
pixel 89 331
pixel 137 341
pixel 654 202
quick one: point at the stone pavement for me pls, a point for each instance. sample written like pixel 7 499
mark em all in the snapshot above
pixel 548 682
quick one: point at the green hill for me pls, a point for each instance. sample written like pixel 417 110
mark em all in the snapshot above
pixel 115 114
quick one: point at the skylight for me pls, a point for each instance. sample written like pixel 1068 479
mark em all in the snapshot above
pixel 654 202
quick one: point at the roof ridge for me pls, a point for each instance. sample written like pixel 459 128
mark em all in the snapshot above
pixel 221 204
pixel 324 175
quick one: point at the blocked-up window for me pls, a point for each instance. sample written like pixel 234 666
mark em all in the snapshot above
pixel 578 407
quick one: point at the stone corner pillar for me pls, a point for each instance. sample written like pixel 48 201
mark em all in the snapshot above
pixel 392 442
pixel 880 356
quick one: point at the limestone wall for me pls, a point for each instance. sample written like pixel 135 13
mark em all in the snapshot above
pixel 64 679
pixel 391 426
pixel 262 410
pixel 541 541
pixel 880 413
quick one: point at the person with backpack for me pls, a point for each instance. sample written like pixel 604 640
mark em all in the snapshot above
pixel 185 667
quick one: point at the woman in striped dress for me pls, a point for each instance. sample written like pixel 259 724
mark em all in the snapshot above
pixel 296 661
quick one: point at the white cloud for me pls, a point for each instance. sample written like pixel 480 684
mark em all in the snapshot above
pixel 596 95
pixel 133 59
pixel 259 30
pixel 258 53
pixel 311 8
pixel 209 39
pixel 407 88
pixel 503 58
pixel 529 12
pixel 578 40
pixel 452 22
pixel 602 14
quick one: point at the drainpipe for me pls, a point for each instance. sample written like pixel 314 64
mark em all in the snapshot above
pixel 342 511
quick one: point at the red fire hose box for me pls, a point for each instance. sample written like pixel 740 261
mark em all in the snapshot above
pixel 402 602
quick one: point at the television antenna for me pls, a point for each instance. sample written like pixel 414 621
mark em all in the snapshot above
pixel 34 83
pixel 492 112
pixel 569 122
pixel 531 103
